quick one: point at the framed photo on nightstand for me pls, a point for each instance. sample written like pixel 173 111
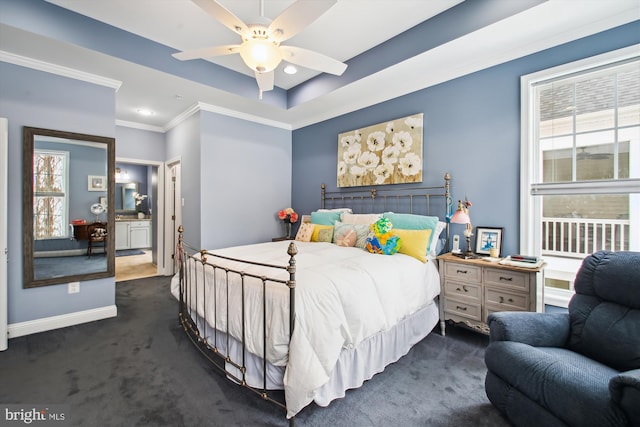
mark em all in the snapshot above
pixel 488 238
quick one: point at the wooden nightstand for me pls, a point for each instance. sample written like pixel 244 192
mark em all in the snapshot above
pixel 471 289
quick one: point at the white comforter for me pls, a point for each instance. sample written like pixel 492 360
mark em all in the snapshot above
pixel 343 296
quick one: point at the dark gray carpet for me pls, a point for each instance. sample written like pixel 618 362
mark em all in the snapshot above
pixel 139 369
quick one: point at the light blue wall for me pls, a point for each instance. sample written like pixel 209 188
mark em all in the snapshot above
pixel 183 142
pixel 140 144
pixel 38 99
pixel 471 129
pixel 245 180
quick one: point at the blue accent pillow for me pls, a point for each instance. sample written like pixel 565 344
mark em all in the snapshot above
pixel 325 218
pixel 413 222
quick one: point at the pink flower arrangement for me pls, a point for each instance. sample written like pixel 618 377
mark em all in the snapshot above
pixel 288 215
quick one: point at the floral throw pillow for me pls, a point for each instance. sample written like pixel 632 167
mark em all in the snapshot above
pixel 341 229
pixel 304 232
pixel 345 236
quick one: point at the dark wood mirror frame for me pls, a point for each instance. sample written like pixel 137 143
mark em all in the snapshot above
pixel 29 135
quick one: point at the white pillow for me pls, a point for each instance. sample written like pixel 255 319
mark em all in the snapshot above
pixel 360 219
pixel 440 226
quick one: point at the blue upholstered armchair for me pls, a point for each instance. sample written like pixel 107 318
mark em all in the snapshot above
pixel 576 369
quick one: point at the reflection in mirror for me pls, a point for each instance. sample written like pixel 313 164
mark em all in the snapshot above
pixel 125 202
pixel 68 187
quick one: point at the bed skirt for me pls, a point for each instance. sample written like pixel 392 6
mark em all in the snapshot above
pixel 354 366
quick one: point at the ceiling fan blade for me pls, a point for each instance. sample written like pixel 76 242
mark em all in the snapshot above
pixel 220 13
pixel 296 18
pixel 314 60
pixel 265 81
pixel 207 52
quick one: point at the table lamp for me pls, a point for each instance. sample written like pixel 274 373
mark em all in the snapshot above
pixel 461 216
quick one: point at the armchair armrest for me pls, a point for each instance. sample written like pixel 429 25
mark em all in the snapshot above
pixel 535 329
pixel 625 391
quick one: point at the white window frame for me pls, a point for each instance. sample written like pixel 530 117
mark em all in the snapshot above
pixel 531 207
pixel 65 194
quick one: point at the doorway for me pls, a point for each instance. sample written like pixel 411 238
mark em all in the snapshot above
pixel 139 248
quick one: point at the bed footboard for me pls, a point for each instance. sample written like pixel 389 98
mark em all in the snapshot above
pixel 200 288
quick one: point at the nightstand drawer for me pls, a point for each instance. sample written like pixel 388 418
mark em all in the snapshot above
pixel 464 290
pixel 463 309
pixel 506 300
pixel 463 272
pixel 512 279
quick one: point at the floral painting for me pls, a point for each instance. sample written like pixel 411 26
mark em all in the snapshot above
pixel 386 153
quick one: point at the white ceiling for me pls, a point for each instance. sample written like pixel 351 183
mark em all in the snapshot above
pixel 182 25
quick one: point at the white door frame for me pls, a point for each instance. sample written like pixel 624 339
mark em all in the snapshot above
pixel 162 267
pixel 4 188
pixel 170 231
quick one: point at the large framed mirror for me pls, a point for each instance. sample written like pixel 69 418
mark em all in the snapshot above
pixel 68 216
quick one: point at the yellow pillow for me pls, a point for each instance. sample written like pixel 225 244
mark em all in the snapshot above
pixel 322 233
pixel 414 242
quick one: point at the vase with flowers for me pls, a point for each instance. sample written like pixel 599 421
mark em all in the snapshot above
pixel 288 216
pixel 139 199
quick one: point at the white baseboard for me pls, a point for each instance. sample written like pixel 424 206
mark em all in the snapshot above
pixel 15 330
pixel 51 254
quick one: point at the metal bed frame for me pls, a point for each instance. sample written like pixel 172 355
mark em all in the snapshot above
pixel 194 325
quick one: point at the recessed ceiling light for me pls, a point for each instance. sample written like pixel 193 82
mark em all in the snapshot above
pixel 290 69
pixel 145 112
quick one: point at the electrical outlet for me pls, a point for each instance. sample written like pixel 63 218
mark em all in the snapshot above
pixel 74 287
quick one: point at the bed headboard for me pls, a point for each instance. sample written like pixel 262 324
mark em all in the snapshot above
pixel 431 200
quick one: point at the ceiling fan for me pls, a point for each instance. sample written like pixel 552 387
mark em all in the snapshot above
pixel 260 48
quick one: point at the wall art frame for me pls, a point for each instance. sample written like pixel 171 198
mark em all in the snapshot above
pixel 97 183
pixel 488 238
pixel 385 153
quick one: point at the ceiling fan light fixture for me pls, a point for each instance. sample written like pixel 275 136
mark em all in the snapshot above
pixel 260 55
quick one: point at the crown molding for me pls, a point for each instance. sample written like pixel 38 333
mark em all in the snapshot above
pixel 48 67
pixel 243 116
pixel 142 126
pixel 202 106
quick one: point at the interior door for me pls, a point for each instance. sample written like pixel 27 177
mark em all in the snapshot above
pixel 4 178
pixel 174 210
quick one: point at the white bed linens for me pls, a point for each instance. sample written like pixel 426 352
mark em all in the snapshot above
pixel 343 296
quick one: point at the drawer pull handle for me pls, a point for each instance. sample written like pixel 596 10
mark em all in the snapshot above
pixel 464 288
pixel 506 279
pixel 461 271
pixel 502 300
pixel 461 308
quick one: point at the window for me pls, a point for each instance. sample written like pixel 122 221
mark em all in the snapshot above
pixel 580 163
pixel 50 184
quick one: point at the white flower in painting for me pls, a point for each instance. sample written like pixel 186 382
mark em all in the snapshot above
pixel 390 155
pixel 413 122
pixel 357 134
pixel 351 155
pixel 390 127
pixel 382 173
pixel 375 141
pixel 410 164
pixel 403 141
pixel 357 171
pixel 342 168
pixel 347 140
pixel 368 160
